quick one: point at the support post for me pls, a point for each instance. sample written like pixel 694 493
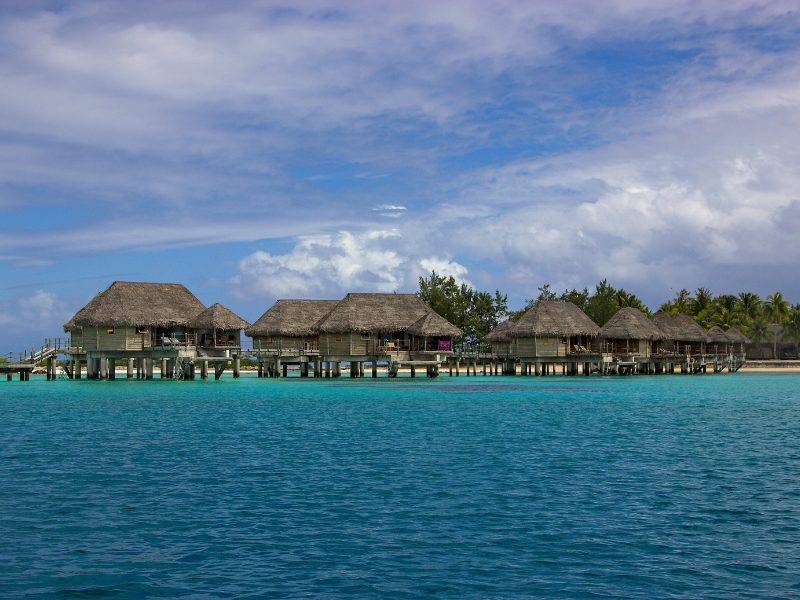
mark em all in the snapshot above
pixel 204 370
pixel 374 369
pixel 236 366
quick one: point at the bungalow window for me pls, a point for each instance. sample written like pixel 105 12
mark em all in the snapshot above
pixel 110 330
pixel 365 336
pixel 338 337
pixel 141 330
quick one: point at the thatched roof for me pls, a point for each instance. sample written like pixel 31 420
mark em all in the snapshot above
pixel 717 335
pixel 291 318
pixel 218 317
pixel 687 329
pixel 680 328
pixel 91 306
pixel 630 324
pixel 374 313
pixel 127 303
pixel 502 333
pixel 556 318
pixel 663 320
pixel 434 325
pixel 736 336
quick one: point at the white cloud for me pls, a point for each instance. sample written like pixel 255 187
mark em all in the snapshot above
pixel 29 319
pixel 444 267
pixel 329 266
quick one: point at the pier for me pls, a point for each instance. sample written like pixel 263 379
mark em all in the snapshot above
pixel 161 330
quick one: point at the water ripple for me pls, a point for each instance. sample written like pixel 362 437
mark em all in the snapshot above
pixel 469 488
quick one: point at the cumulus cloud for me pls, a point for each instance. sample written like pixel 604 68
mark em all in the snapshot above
pixel 651 142
pixel 328 266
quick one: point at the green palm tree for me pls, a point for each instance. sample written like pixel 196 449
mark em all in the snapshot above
pixel 749 304
pixel 759 330
pixel 683 302
pixel 792 331
pixel 702 299
pixel 777 309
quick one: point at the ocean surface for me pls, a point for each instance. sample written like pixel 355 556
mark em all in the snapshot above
pixel 479 487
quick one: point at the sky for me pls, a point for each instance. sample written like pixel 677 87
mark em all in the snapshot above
pixel 262 150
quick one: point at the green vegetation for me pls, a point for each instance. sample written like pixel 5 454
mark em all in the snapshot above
pixel 476 313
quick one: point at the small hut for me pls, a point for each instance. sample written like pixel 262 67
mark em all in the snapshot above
pixel 738 340
pixel 689 336
pixel 376 324
pixel 135 316
pixel 432 333
pixel 218 327
pixel 683 334
pixel 290 325
pixel 629 332
pixel 718 342
pixel 500 338
pixel 553 329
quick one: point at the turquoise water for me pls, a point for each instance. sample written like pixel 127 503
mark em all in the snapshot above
pixel 639 487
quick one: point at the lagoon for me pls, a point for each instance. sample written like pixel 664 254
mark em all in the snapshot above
pixel 639 487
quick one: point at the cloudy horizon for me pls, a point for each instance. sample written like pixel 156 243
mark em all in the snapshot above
pixel 253 150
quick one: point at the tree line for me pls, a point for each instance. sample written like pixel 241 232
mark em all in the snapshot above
pixel 478 312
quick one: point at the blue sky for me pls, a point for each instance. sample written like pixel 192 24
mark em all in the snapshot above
pixel 256 150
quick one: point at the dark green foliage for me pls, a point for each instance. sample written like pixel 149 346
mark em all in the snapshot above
pixel 475 313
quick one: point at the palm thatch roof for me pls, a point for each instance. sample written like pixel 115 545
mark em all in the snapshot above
pixel 127 303
pixel 556 318
pixel 717 335
pixel 736 336
pixel 630 324
pixel 291 318
pixel 374 313
pixel 502 333
pixel 218 317
pixel 687 329
pixel 434 325
pixel 663 320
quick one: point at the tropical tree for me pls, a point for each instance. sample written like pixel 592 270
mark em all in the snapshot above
pixel 777 307
pixel 682 303
pixel 702 300
pixel 749 304
pixel 759 330
pixel 474 312
pixel 792 328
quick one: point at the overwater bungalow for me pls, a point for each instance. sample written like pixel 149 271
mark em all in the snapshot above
pixel 142 323
pixel 289 326
pixel 218 329
pixel 137 316
pixel 395 327
pixel 683 335
pixel 738 341
pixel 689 336
pixel 500 339
pixel 378 324
pixel 629 335
pixel 551 333
pixel 717 341
pixel 552 329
